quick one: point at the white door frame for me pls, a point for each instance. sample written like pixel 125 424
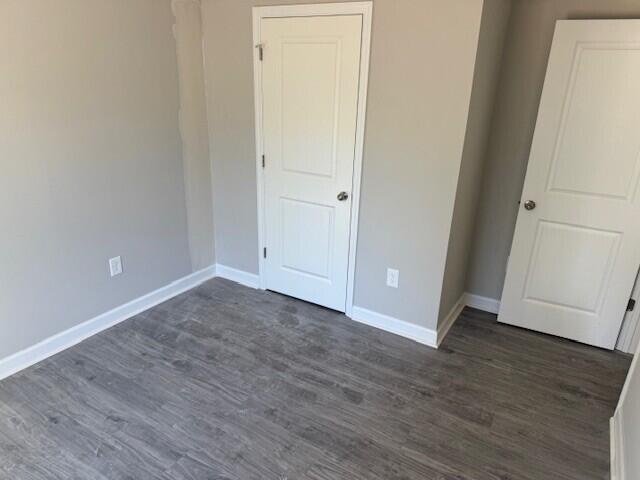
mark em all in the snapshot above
pixel 629 337
pixel 313 10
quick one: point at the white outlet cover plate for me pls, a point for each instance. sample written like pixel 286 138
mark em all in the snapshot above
pixel 392 277
pixel 115 266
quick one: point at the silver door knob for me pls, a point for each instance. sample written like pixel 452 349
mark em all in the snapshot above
pixel 529 205
pixel 342 196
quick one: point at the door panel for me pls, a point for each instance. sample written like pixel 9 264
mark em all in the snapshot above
pixel 307 227
pixel 575 255
pixel 310 81
pixel 569 255
pixel 309 125
pixel 596 122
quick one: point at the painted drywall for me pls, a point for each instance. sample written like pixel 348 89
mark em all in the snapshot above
pixel 631 426
pixel 194 132
pixel 529 36
pixel 627 419
pixel 421 74
pixel 493 29
pixel 90 161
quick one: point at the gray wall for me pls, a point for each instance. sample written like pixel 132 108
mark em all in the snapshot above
pixel 423 54
pixel 90 158
pixel 525 60
pixel 493 29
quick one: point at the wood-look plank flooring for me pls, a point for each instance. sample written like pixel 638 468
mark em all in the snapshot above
pixel 225 382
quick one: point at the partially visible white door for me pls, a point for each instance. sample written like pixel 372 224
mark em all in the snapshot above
pixel 576 250
pixel 310 77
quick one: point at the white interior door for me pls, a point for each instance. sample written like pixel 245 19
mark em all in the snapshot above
pixel 310 78
pixel 575 255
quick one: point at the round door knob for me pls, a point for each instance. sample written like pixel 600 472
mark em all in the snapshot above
pixel 529 205
pixel 342 196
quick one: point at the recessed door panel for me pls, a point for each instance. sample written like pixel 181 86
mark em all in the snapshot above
pixel 307 238
pixel 569 255
pixel 310 102
pixel 602 102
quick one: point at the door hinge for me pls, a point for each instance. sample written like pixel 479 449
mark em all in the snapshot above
pixel 260 51
pixel 263 162
pixel 264 252
pixel 631 305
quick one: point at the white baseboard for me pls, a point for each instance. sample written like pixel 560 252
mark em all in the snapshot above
pixel 63 340
pixel 485 304
pixel 426 336
pixel 451 318
pixel 374 319
pixel 414 332
pixel 617 449
pixel 247 279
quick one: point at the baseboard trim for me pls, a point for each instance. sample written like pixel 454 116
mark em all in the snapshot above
pixel 617 448
pixel 74 335
pixel 247 279
pixel 486 304
pixel 426 336
pixel 414 332
pixel 451 318
pixel 63 340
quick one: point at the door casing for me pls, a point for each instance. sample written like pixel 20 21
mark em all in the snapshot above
pixel 310 10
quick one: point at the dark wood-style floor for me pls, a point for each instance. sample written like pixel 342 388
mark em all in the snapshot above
pixel 226 382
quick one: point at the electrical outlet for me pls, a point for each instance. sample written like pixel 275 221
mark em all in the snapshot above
pixel 115 266
pixel 392 277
